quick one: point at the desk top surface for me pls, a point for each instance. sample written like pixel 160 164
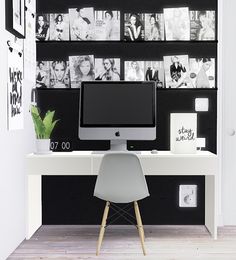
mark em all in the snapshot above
pixel 142 154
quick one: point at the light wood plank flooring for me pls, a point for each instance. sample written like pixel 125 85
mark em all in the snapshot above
pixel 122 242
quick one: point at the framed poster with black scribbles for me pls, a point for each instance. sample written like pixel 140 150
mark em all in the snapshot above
pixel 15 90
pixel 15 17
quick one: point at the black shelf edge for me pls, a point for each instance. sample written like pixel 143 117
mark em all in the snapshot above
pixel 125 42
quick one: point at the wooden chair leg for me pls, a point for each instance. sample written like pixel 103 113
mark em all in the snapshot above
pixel 103 226
pixel 139 226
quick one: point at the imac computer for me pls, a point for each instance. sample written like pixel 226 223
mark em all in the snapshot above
pixel 117 111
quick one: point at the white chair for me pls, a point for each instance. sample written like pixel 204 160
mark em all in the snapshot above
pixel 121 180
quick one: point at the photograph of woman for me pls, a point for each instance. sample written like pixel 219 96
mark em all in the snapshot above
pixel 59 74
pixel 107 69
pixel 59 27
pixel 81 24
pixel 202 72
pixel 134 29
pixel 177 24
pixel 42 74
pixel 107 25
pixel 81 69
pixel 42 27
pixel 177 72
pixel 202 25
pixel 154 71
pixel 134 70
pixel 154 27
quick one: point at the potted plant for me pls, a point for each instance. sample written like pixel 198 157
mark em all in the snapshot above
pixel 43 129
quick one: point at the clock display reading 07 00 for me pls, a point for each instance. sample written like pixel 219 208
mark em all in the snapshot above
pixel 60 146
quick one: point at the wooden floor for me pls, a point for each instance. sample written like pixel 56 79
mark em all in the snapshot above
pixel 122 242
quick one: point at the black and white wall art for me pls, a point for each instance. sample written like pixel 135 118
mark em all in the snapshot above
pixel 202 72
pixel 81 69
pixel 81 24
pixel 107 69
pixel 15 90
pixel 134 26
pixel 134 70
pixel 59 27
pixel 154 27
pixel 42 74
pixel 177 71
pixel 154 71
pixel 202 25
pixel 107 25
pixel 42 27
pixel 177 24
pixel 59 74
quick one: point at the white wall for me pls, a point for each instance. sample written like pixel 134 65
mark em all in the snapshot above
pixel 229 115
pixel 14 145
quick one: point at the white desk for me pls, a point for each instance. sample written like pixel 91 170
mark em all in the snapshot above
pixel 84 163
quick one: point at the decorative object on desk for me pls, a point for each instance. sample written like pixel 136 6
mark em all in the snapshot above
pixel 15 86
pixel 202 25
pixel 43 129
pixel 183 132
pixel 15 17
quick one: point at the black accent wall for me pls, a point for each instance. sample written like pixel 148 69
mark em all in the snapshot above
pixel 69 199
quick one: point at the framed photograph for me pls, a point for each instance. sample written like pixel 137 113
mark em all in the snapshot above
pixel 134 70
pixel 15 17
pixel 107 69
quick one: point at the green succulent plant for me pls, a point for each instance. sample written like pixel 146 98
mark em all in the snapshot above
pixel 43 126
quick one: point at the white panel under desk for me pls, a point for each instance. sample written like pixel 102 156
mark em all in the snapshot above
pixel 59 163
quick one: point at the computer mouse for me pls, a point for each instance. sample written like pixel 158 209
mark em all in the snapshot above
pixel 154 151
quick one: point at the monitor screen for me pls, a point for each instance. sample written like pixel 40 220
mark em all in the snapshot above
pixel 117 104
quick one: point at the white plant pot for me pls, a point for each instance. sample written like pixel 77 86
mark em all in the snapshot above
pixel 43 146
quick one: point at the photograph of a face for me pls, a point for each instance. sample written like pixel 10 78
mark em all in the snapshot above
pixel 177 24
pixel 42 27
pixel 59 74
pixel 134 27
pixel 59 27
pixel 107 69
pixel 42 74
pixel 202 72
pixel 81 24
pixel 81 69
pixel 134 70
pixel 107 25
pixel 177 71
pixel 154 27
pixel 154 71
pixel 202 25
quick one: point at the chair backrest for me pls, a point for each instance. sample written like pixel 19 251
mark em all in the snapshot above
pixel 120 178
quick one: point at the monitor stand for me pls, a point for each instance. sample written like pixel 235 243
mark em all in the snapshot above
pixel 116 146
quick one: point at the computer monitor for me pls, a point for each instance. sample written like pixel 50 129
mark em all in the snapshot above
pixel 117 111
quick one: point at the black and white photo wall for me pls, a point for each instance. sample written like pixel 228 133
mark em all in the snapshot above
pixel 178 71
pixel 89 24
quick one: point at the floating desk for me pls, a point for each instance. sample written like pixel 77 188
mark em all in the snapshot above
pixel 84 163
